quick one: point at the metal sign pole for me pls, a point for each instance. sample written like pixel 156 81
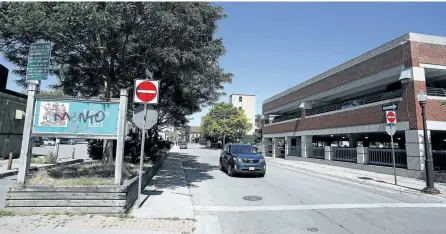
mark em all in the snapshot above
pixel 393 154
pixel 141 158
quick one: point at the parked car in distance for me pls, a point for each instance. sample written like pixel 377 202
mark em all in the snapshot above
pixel 242 159
pixel 182 144
pixel 49 141
pixel 37 141
pixel 67 141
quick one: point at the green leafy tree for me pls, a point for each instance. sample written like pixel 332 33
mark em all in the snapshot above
pixel 100 48
pixel 51 92
pixel 224 120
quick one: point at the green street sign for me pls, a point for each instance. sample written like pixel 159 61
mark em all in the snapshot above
pixel 38 61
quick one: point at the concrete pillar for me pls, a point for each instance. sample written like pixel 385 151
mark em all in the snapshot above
pixel 362 155
pixel 265 144
pixel 275 149
pixel 352 140
pixel 415 149
pixel 328 152
pixel 306 146
pixel 287 146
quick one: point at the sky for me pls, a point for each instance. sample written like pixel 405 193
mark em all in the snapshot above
pixel 274 46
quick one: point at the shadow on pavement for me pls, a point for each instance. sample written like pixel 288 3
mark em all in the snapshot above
pixel 196 171
pixel 180 170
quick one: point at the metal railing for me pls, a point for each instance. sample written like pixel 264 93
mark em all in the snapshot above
pixel 295 151
pixel 317 152
pixel 439 159
pixel 287 117
pixel 383 157
pixel 356 102
pixel 345 154
pixel 439 92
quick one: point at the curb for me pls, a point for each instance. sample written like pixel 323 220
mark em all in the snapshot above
pixel 379 186
pixel 15 172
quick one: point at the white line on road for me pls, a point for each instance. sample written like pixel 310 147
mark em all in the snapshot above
pixel 316 207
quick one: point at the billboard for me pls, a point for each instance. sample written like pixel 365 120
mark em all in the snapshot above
pixel 73 117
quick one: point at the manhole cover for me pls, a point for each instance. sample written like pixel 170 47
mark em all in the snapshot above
pixel 312 229
pixel 252 198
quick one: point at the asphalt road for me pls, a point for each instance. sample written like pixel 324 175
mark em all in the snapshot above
pixel 295 202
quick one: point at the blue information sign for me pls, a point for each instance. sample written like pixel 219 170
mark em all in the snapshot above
pixel 70 117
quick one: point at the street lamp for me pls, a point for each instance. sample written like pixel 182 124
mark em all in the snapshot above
pixel 429 167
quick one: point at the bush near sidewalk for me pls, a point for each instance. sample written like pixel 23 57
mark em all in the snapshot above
pixel 45 159
pixel 132 149
pixel 89 173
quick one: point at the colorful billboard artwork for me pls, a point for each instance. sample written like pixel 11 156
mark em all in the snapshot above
pixel 49 111
pixel 76 117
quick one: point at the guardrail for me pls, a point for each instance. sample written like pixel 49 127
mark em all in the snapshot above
pixel 345 154
pixel 383 157
pixel 318 152
pixel 287 117
pixel 439 159
pixel 356 102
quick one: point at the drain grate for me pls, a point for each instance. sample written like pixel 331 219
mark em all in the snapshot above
pixel 313 229
pixel 252 198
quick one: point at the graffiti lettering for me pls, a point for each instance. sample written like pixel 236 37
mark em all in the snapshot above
pixel 93 118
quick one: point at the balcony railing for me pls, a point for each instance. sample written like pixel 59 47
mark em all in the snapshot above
pixel 383 157
pixel 345 154
pixel 317 152
pixel 287 117
pixel 439 159
pixel 439 92
pixel 356 102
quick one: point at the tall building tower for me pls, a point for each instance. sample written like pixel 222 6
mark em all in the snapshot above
pixel 247 103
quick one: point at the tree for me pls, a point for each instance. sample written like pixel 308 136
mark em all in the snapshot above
pixel 258 133
pixel 100 48
pixel 224 120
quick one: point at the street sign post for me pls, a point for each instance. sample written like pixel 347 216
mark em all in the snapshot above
pixel 391 129
pixel 146 92
pixel 38 61
pixel 392 107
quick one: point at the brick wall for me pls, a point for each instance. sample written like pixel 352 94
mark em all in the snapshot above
pixel 381 62
pixel 436 110
pixel 290 126
pixel 428 53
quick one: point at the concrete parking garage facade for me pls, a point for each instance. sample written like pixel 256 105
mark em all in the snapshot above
pixel 344 104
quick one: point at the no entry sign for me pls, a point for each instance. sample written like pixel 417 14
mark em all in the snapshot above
pixel 390 117
pixel 146 91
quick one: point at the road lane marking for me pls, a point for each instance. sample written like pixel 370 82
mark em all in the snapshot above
pixel 316 207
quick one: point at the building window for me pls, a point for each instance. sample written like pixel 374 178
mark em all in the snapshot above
pixel 240 108
pixel 240 99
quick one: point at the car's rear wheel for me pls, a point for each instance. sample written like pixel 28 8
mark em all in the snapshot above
pixel 230 171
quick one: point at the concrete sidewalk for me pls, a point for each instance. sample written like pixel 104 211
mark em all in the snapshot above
pixel 405 184
pixel 167 196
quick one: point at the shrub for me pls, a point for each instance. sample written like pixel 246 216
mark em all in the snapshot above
pixel 48 159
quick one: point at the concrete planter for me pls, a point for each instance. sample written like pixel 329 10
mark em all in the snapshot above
pixel 101 199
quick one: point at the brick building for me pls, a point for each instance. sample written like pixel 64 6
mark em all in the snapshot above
pixel 337 118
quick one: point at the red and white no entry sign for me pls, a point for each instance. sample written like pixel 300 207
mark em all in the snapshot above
pixel 146 91
pixel 391 117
